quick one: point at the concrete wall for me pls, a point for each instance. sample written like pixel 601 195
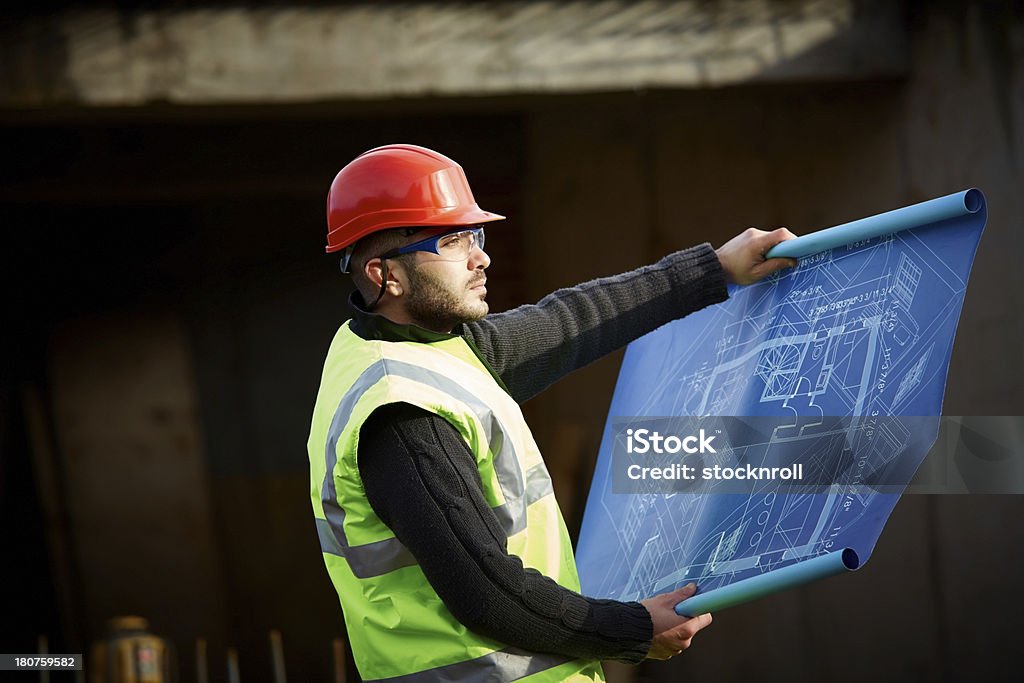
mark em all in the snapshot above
pixel 102 53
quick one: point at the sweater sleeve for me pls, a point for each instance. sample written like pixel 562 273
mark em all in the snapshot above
pixel 532 346
pixel 421 480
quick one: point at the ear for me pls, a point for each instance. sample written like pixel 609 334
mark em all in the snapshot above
pixel 374 271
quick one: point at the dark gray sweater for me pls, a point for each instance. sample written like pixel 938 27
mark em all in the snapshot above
pixel 421 478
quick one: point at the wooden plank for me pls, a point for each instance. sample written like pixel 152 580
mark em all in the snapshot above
pixel 55 511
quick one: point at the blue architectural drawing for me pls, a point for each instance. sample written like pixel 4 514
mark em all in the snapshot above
pixel 860 331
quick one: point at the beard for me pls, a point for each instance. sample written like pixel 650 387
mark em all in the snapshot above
pixel 440 305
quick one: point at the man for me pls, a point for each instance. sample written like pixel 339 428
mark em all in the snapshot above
pixel 433 505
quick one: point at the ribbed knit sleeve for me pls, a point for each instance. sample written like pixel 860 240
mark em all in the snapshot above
pixel 421 480
pixel 532 346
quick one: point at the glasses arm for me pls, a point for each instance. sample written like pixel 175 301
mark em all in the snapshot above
pixel 346 258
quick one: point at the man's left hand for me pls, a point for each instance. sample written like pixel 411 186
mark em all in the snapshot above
pixel 742 257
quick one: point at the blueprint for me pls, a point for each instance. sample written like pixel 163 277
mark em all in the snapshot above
pixel 858 335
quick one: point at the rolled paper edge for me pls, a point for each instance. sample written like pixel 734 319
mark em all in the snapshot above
pixel 953 205
pixel 770 582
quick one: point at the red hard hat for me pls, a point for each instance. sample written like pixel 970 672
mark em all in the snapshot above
pixel 395 186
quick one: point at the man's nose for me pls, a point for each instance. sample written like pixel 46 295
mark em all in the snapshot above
pixel 478 258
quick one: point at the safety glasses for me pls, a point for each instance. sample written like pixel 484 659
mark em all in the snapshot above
pixel 450 246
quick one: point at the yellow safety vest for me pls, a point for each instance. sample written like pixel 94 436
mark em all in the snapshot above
pixel 398 627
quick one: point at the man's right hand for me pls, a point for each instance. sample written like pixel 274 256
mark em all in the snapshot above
pixel 743 257
pixel 672 633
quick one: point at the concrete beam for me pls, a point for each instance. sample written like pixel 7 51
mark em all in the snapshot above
pixel 299 54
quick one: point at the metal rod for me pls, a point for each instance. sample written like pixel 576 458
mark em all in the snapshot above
pixel 233 666
pixel 338 650
pixel 202 667
pixel 43 646
pixel 277 656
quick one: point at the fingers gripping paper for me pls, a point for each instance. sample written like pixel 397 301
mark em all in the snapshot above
pixel 860 331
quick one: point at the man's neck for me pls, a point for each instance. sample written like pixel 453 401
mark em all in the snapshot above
pixel 381 326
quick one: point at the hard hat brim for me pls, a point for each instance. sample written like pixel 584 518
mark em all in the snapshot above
pixel 369 223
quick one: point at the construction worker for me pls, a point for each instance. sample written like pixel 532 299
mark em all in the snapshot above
pixel 433 506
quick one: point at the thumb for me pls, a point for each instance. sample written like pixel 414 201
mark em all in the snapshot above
pixel 768 267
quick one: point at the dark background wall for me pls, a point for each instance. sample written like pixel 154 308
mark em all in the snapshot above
pixel 173 304
pixel 168 305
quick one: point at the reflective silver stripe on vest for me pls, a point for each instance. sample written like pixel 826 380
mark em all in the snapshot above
pixel 538 485
pixel 371 559
pixel 509 664
pixel 380 557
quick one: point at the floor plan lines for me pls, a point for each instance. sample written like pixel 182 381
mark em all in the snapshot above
pixel 855 334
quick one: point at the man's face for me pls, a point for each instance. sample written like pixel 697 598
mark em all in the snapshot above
pixel 443 294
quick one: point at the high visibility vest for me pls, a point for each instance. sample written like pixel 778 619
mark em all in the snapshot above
pixel 398 627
